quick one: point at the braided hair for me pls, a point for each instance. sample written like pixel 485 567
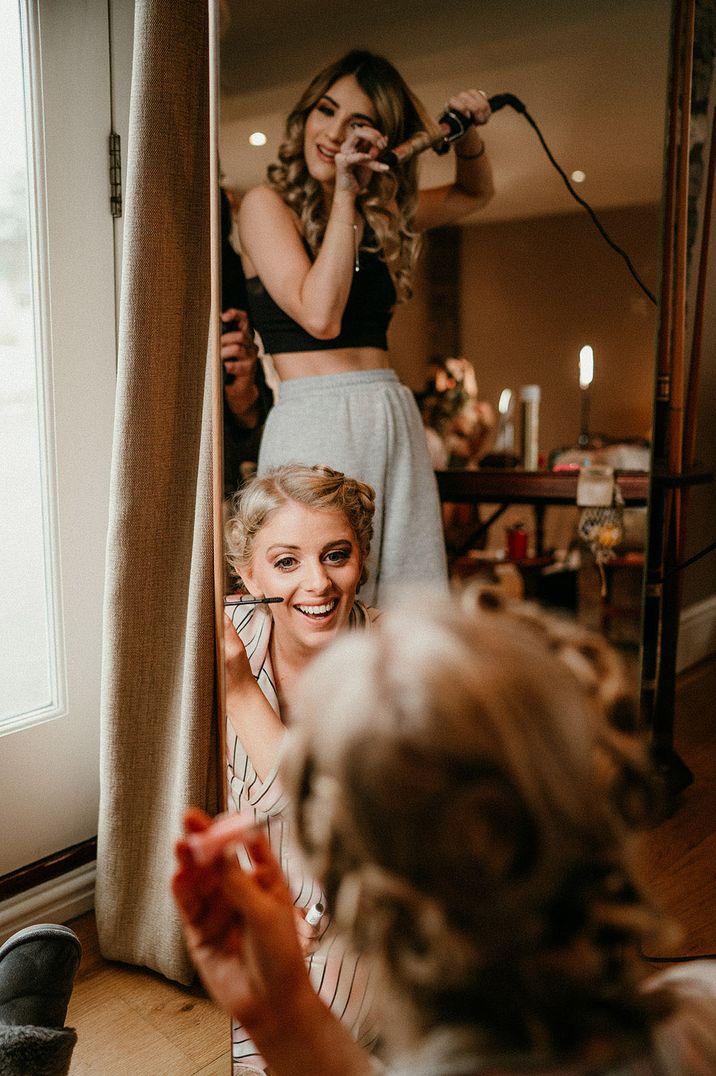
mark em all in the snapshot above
pixel 467 790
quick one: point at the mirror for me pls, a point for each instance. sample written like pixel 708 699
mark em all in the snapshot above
pixel 522 285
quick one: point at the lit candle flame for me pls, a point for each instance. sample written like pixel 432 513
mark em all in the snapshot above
pixel 586 367
pixel 505 400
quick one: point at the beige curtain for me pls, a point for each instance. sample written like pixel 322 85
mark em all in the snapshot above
pixel 158 729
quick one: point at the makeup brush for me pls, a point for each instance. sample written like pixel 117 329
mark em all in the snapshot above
pixel 248 599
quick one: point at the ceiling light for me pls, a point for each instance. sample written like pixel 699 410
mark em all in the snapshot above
pixel 578 176
pixel 258 138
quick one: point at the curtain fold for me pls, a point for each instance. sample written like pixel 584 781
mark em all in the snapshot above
pixel 158 743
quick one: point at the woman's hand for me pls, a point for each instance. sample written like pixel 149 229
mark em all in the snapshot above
pixel 239 355
pixel 473 103
pixel 356 160
pixel 241 934
pixel 237 669
pixel 239 925
pixel 309 935
pixel 237 346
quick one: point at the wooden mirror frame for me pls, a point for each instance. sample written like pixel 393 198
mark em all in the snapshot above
pixel 674 467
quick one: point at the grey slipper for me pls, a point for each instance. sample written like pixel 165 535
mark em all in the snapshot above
pixel 36 1051
pixel 37 971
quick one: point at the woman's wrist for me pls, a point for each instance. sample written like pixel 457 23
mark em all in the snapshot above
pixel 471 146
pixel 470 156
pixel 343 206
pixel 244 406
pixel 316 1041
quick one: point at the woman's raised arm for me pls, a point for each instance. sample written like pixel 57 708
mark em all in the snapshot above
pixel 473 185
pixel 255 722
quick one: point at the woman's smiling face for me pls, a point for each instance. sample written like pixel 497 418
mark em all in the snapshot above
pixel 309 557
pixel 344 106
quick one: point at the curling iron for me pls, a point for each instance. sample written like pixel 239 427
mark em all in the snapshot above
pixel 451 126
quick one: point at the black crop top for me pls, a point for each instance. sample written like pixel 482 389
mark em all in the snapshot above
pixel 365 319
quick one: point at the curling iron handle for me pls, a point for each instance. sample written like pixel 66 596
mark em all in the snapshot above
pixel 501 99
pixel 454 124
pixel 458 122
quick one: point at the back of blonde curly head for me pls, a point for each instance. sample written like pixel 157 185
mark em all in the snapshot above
pixel 468 789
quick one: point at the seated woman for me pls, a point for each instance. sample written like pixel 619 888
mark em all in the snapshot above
pixel 466 785
pixel 301 534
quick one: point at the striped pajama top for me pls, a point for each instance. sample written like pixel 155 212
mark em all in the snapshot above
pixel 339 977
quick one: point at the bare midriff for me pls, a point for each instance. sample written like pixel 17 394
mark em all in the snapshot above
pixel 344 360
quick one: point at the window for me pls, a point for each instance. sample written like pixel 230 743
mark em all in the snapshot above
pixel 27 653
pixel 57 381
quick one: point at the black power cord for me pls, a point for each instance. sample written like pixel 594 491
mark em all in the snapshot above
pixel 499 101
pixel 677 959
pixel 691 560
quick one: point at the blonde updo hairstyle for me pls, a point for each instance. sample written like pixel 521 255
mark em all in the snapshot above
pixel 467 801
pixel 388 204
pixel 316 487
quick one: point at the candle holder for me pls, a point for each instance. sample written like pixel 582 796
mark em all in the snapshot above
pixel 584 438
pixel 586 376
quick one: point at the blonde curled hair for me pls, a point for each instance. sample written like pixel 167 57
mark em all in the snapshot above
pixel 388 204
pixel 316 487
pixel 468 803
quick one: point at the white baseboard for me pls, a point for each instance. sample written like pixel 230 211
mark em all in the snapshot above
pixel 697 633
pixel 55 901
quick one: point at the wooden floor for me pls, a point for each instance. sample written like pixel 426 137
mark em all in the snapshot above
pixel 134 1022
pixel 681 852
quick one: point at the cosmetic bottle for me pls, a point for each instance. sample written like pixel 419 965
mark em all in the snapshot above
pixel 529 406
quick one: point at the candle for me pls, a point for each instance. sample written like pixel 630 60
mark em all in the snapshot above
pixel 586 367
pixel 505 440
pixel 586 376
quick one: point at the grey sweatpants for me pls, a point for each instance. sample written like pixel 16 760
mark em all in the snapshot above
pixel 367 425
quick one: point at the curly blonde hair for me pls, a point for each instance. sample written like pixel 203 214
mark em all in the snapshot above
pixel 388 204
pixel 317 487
pixel 466 785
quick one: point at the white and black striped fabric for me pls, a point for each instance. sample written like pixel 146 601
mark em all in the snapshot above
pixel 339 977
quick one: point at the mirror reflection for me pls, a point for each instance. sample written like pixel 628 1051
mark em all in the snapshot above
pixel 328 247
pixel 517 288
pixel 522 343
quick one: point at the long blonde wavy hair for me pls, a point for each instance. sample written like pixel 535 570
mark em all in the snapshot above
pixel 466 785
pixel 388 204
